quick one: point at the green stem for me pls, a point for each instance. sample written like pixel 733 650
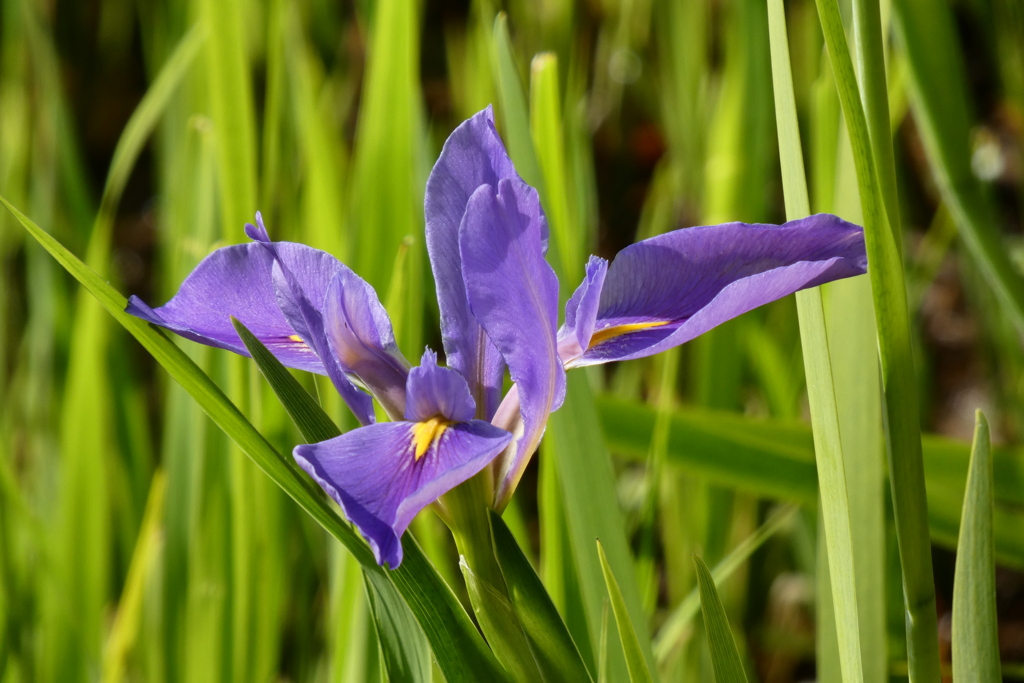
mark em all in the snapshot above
pixel 467 507
pixel 874 92
pixel 901 417
pixel 821 390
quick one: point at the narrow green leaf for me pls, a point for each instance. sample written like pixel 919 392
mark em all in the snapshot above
pixel 674 630
pixel 125 629
pixel 457 645
pixel 347 625
pixel 940 100
pixel 899 386
pixel 87 426
pixel 500 622
pixel 769 458
pixel 323 207
pixel 776 459
pixel 403 644
pixel 874 92
pixel 549 144
pixel 314 424
pixel 636 662
pixel 975 626
pixel 553 647
pixel 231 106
pixel 514 115
pixel 591 511
pixel 389 168
pixel 725 657
pixel 144 119
pixel 821 392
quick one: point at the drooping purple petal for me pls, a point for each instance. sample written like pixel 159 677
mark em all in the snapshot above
pixel 360 335
pixel 434 390
pixel 306 317
pixel 236 281
pixel 472 156
pixel 308 322
pixel 374 474
pixel 513 292
pixel 666 290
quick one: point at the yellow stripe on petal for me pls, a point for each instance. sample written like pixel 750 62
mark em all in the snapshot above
pixel 424 434
pixel 601 336
pixel 295 338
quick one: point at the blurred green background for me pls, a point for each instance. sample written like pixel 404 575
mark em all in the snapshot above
pixel 137 543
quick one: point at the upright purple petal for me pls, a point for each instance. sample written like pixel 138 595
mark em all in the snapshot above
pixel 433 390
pixel 513 292
pixel 581 310
pixel 360 335
pixel 236 281
pixel 374 473
pixel 472 156
pixel 666 290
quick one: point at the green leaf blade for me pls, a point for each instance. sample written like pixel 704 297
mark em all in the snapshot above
pixel 636 663
pixel 460 651
pixel 902 418
pixel 591 511
pixel 975 626
pixel 314 424
pixel 725 657
pixel 553 646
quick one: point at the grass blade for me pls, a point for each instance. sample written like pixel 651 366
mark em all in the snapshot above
pixel 389 170
pixel 549 144
pixel 636 663
pixel 231 106
pixel 867 38
pixel 556 653
pixel 129 609
pixel 902 419
pixel 403 644
pixel 675 627
pixel 975 629
pixel 306 413
pixel 776 459
pixel 821 392
pixel 725 657
pixel 457 645
pixel 939 97
pixel 514 115
pixel 588 493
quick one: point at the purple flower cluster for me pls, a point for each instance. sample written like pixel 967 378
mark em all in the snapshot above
pixel 498 298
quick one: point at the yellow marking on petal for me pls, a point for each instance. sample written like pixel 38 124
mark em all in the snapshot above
pixel 601 336
pixel 424 434
pixel 295 337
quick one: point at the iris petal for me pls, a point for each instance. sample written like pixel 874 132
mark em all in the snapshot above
pixel 432 390
pixel 236 281
pixel 472 156
pixel 374 473
pixel 581 310
pixel 360 335
pixel 306 317
pixel 666 290
pixel 513 292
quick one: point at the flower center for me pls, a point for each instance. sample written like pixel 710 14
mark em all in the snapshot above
pixel 424 434
pixel 601 336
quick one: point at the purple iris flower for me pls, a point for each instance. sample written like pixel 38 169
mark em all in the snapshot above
pixel 498 297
